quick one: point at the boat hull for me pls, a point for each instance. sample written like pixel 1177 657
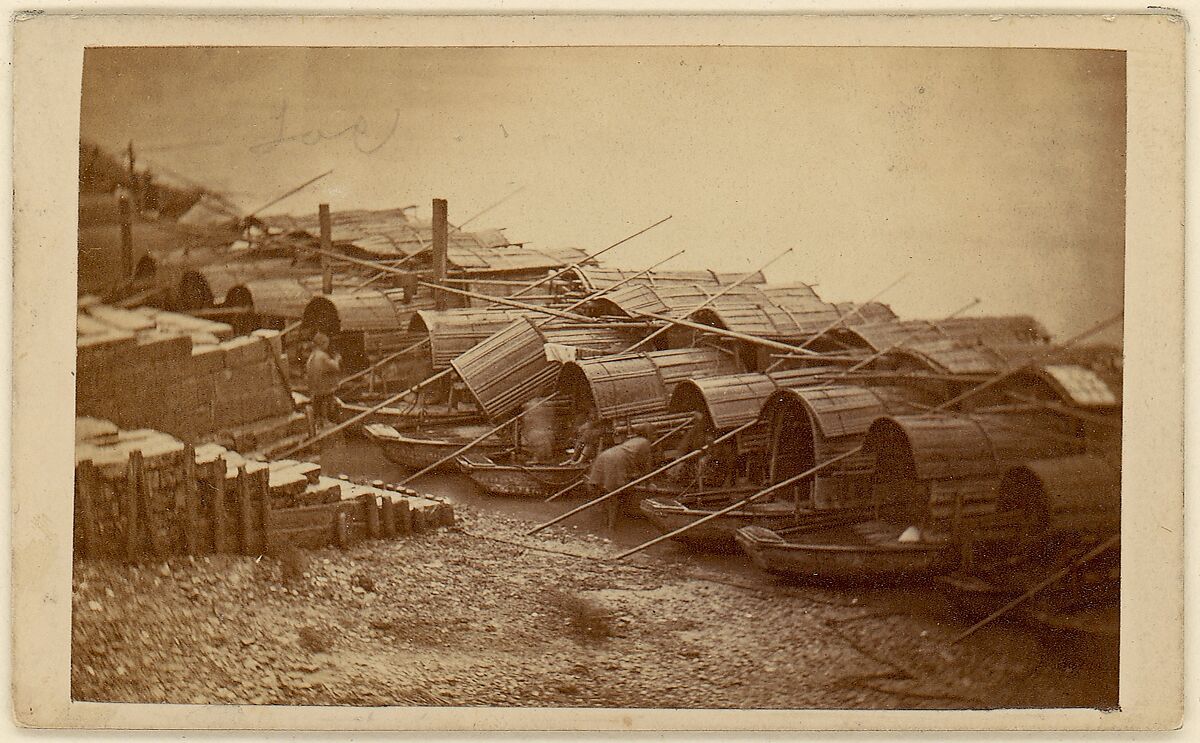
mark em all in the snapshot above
pixel 668 514
pixel 520 481
pixel 833 555
pixel 417 453
pixel 403 419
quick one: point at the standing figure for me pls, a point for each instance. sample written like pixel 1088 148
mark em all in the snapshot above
pixel 323 375
pixel 620 465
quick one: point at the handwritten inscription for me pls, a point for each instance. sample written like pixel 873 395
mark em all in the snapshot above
pixel 366 139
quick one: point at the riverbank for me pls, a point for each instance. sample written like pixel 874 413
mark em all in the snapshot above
pixel 481 615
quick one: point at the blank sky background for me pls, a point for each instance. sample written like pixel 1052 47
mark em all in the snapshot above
pixel 978 172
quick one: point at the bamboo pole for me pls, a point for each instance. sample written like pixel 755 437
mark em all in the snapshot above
pixel 690 455
pixel 591 257
pixel 1025 364
pixel 295 190
pixel 472 443
pixel 936 409
pixel 1053 578
pixel 653 473
pixel 856 310
pixel 355 419
pixel 723 291
pixel 778 345
pixel 384 360
pixel 480 213
pixel 745 501
pixel 653 444
pixel 468 445
pixel 539 309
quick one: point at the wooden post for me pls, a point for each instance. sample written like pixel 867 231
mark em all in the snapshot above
pixel 191 536
pixel 388 517
pixel 219 513
pixel 327 246
pixel 87 483
pixel 150 492
pixel 404 524
pixel 447 514
pixel 264 510
pixel 341 529
pixel 440 249
pixel 262 492
pixel 371 506
pixel 126 217
pixel 133 476
pixel 246 515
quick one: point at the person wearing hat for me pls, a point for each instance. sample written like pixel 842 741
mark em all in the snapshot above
pixel 323 374
pixel 620 465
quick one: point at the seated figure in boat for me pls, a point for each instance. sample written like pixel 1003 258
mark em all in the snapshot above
pixel 619 465
pixel 537 431
pixel 589 440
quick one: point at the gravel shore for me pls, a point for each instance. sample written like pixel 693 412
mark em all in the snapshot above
pixel 481 615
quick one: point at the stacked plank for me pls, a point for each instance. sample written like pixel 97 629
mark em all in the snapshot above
pixel 143 494
pixel 182 375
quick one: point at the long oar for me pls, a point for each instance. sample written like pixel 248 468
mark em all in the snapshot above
pixel 973 391
pixel 1053 578
pixel 474 442
pixel 295 190
pixel 903 339
pixel 470 444
pixel 592 256
pixel 753 339
pixel 722 292
pixel 351 421
pixel 461 292
pixel 745 501
pixel 653 473
pixel 690 455
pixel 485 210
pixel 840 320
pixel 418 344
pixel 696 308
pixel 653 444
pixel 1026 363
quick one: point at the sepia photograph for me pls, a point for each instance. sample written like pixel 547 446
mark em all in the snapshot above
pixel 634 377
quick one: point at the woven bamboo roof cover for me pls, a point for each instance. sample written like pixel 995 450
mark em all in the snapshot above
pixel 394 234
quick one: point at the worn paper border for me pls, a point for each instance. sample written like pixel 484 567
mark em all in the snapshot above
pixel 48 54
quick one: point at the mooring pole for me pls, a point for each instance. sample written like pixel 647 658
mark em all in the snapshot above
pixel 327 248
pixel 440 249
pixel 126 216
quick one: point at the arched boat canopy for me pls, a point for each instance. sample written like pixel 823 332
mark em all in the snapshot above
pixel 726 401
pixel 629 386
pixel 1079 492
pixel 933 447
pixel 278 297
pixel 594 278
pixel 452 333
pixel 731 400
pixel 513 366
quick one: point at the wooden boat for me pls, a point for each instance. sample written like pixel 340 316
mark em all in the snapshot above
pixel 1081 600
pixel 518 479
pixel 668 514
pixel 867 550
pixel 406 418
pixel 418 451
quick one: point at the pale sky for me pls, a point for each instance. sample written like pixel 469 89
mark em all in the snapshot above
pixel 996 174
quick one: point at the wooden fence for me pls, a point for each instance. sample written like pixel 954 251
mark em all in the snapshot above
pixel 171 505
